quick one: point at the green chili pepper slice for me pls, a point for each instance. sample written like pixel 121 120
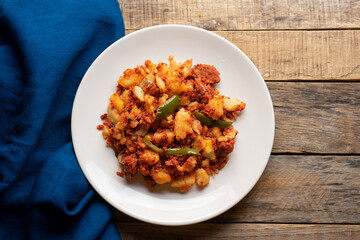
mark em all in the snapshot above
pixel 181 151
pixel 168 107
pixel 170 151
pixel 148 143
pixel 211 122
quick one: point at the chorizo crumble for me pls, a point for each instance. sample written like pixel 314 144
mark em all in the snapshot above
pixel 169 123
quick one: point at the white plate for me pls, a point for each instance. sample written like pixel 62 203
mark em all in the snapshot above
pixel 239 78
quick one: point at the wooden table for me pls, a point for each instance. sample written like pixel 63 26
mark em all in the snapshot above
pixel 309 54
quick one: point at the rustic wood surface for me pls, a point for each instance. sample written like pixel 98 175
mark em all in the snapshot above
pixel 308 53
pixel 243 15
pixel 138 231
pixel 316 117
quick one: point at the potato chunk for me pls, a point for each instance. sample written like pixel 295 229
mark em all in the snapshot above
pixel 183 182
pixel 139 93
pixel 150 105
pixel 162 176
pixel 233 104
pixel 117 101
pixel 163 138
pixel 183 124
pixel 196 126
pixel 198 143
pixel 113 114
pixel 160 83
pixel 215 107
pixel 131 77
pixel 202 177
pixel 150 157
pixel 208 151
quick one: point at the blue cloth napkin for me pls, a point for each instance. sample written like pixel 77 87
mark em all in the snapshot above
pixel 45 49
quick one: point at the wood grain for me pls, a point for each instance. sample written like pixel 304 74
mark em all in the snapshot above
pixel 242 15
pixel 138 231
pixel 300 55
pixel 299 189
pixel 316 117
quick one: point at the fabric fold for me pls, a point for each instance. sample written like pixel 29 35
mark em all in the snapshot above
pixel 45 49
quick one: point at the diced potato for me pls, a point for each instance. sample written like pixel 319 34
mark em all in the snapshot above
pixel 208 150
pixel 233 104
pixel 120 126
pixel 202 177
pixel 161 176
pixel 176 87
pixel 117 101
pixel 150 157
pixel 187 67
pixel 180 168
pixel 135 111
pixel 174 67
pixel 198 143
pixel 163 69
pixel 231 134
pixel 113 114
pixel 126 97
pixel 106 132
pixel 205 163
pixel 193 106
pixel 189 179
pixel 183 182
pixel 150 77
pixel 182 124
pixel 131 77
pixel 149 103
pixel 185 100
pixel 223 139
pixel 147 80
pixel 216 132
pixel 215 107
pixel 160 83
pixel 150 65
pixel 165 137
pixel 139 93
pixel 163 99
pixel 196 126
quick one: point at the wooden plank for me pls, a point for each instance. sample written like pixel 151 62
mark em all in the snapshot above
pixel 245 14
pixel 305 189
pixel 300 55
pixel 138 231
pixel 304 55
pixel 299 189
pixel 316 117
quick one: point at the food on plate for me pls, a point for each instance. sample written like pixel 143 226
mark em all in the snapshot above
pixel 170 123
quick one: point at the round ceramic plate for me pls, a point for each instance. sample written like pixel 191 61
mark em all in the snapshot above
pixel 239 79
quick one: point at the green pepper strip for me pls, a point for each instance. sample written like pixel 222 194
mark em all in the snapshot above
pixel 168 107
pixel 211 122
pixel 170 151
